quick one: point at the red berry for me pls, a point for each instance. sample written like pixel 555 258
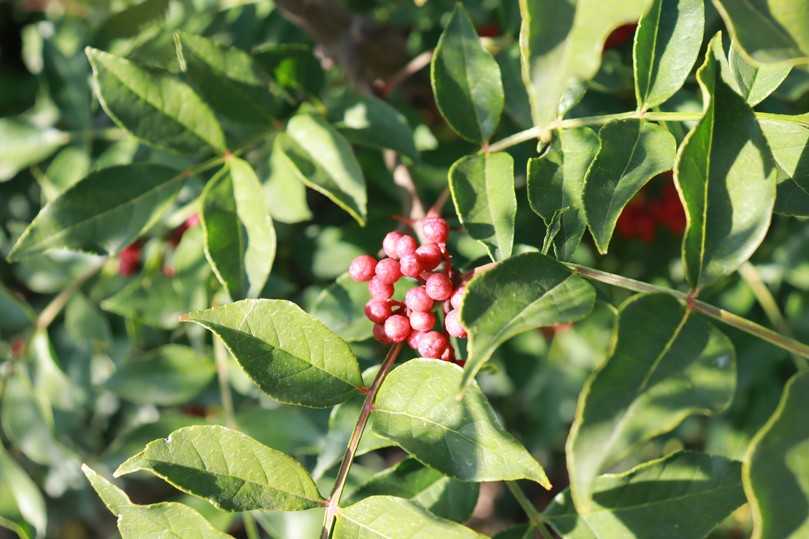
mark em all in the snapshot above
pixel 406 245
pixel 379 290
pixel 388 271
pixel 453 324
pixel 422 321
pixel 449 354
pixel 397 328
pixel 429 255
pixel 389 243
pixel 362 268
pixel 432 344
pixel 457 296
pixel 435 229
pixel 129 259
pixel 620 35
pixel 410 265
pixel 377 310
pixel 379 334
pixel 438 287
pixel 413 340
pixel 417 299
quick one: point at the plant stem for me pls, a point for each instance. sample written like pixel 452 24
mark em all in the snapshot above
pixel 748 326
pixel 52 310
pixel 535 518
pixel 354 441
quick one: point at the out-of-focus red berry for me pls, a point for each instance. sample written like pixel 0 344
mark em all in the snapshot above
pixel 452 322
pixel 432 344
pixel 390 242
pixel 397 328
pixel 379 289
pixel 669 210
pixel 377 310
pixel 620 35
pixel 17 348
pixel 488 30
pixel 177 234
pixel 129 259
pixel 438 287
pixel 418 300
pixel 410 265
pixel 435 229
pixel 457 296
pixel 429 255
pixel 422 321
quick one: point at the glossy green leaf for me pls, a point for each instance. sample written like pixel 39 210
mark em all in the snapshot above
pixel 667 43
pixel 23 506
pixel 154 105
pixel 682 496
pixel 340 306
pixel 104 212
pixel 229 469
pixel 23 144
pixel 130 21
pixel 418 408
pixel 228 78
pixel 516 106
pixel 155 521
pixel 388 517
pixel 769 31
pixel 466 80
pixel 556 183
pixel 519 294
pixel 630 153
pixel 561 44
pixel 755 82
pixel 482 188
pixel 324 161
pixel 239 232
pixel 284 192
pixel 172 374
pixel 441 495
pixel 369 121
pixel 788 138
pixel 726 177
pixel 658 374
pixel 776 467
pixel 292 356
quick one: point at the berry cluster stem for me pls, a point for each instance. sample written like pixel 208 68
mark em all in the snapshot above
pixel 353 443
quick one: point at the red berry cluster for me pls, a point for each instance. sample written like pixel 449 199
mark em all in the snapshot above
pixel 644 215
pixel 414 319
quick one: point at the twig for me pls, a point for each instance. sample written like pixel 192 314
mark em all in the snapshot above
pixel 411 68
pixel 353 443
pixel 52 310
pixel 535 518
pixel 412 206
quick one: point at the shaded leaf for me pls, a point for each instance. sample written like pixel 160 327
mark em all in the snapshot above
pixel 755 82
pixel 519 294
pixel 23 144
pixel 231 470
pixel 340 306
pixel 130 21
pixel 15 314
pixel 68 167
pixel 788 139
pixel 284 192
pixel 23 509
pixel 482 188
pixel 657 375
pixel 292 356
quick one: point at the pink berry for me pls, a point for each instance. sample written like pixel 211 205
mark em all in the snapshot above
pixel 406 245
pixel 413 340
pixel 417 299
pixel 388 271
pixel 438 286
pixel 435 229
pixel 379 334
pixel 397 328
pixel 432 344
pixel 362 268
pixel 377 310
pixel 429 255
pixel 449 354
pixel 410 265
pixel 453 324
pixel 379 289
pixel 390 242
pixel 421 321
pixel 457 296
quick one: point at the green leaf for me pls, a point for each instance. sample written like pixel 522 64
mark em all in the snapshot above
pixel 229 79
pixel 284 192
pixel 519 294
pixel 229 469
pixel 482 188
pixel 324 161
pixel 68 167
pixel 154 105
pixel 131 21
pixel 441 495
pixel 791 199
pixel 293 65
pixel 155 521
pixel 788 138
pixel 172 374
pixel 667 43
pixel 726 177
pixel 631 153
pixel 239 232
pixel 776 467
pixel 387 517
pixel 23 144
pixel 682 496
pixel 15 314
pixel 768 31
pixel 561 44
pixel 658 374
pixel 340 306
pixel 369 121
pixel 556 183
pixel 104 212
pixel 23 505
pixel 418 408
pixel 466 80
pixel 755 82
pixel 292 356
pixel 516 105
